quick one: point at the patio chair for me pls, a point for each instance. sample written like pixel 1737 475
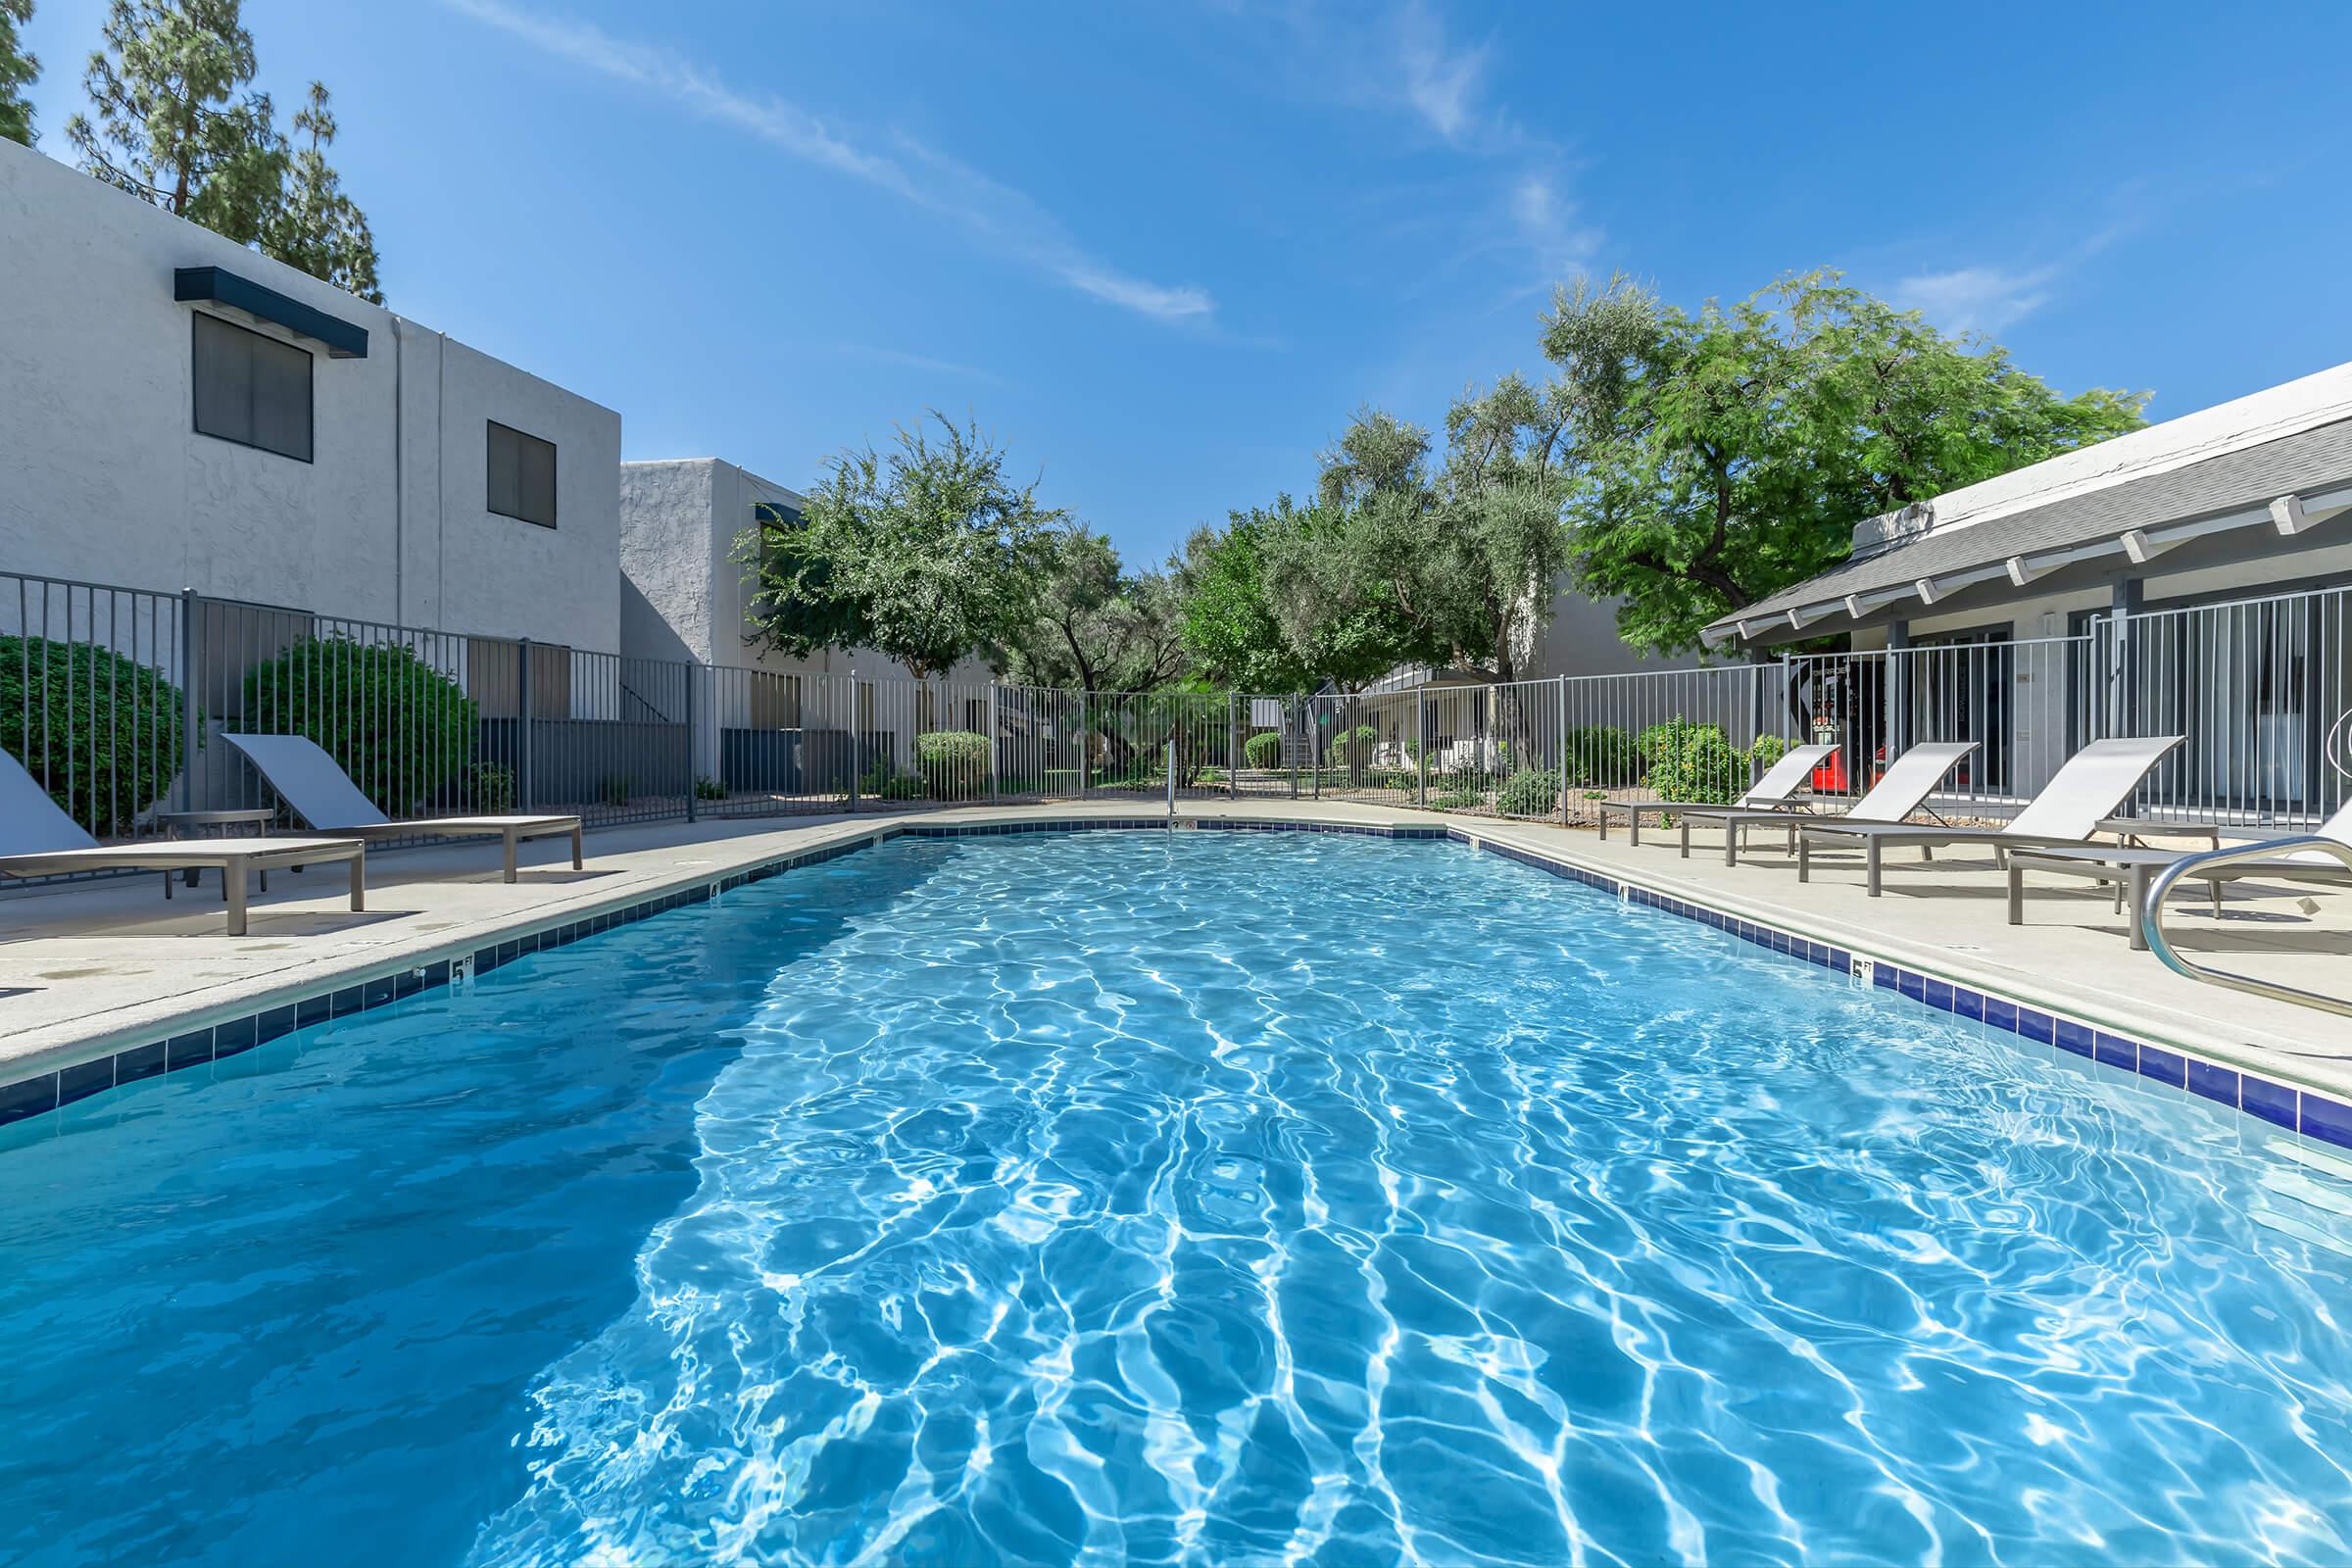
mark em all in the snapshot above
pixel 1901 789
pixel 1775 792
pixel 39 839
pixel 315 788
pixel 2076 801
pixel 2323 857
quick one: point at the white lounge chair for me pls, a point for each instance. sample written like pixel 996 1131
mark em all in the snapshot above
pixel 2316 858
pixel 2075 803
pixel 315 788
pixel 39 839
pixel 1776 791
pixel 1901 789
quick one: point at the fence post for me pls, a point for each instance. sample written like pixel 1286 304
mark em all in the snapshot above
pixel 995 788
pixel 2123 605
pixel 694 782
pixel 1291 754
pixel 1233 745
pixel 1086 752
pixel 857 743
pixel 1420 748
pixel 192 711
pixel 525 797
pixel 1562 717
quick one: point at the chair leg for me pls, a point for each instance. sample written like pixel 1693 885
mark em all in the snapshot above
pixel 1730 843
pixel 1875 863
pixel 1685 836
pixel 577 864
pixel 359 881
pixel 2139 906
pixel 1805 858
pixel 2016 895
pixel 1632 827
pixel 233 882
pixel 510 837
pixel 168 877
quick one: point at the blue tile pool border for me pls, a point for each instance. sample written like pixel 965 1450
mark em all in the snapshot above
pixel 2303 1111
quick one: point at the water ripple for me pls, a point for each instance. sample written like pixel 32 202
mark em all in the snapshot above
pixel 1187 1200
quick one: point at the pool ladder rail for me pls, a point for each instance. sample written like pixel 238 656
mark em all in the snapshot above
pixel 2337 750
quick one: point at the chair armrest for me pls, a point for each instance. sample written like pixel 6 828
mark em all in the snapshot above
pixel 2135 831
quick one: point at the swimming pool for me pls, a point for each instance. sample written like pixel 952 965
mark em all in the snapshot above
pixel 1160 1198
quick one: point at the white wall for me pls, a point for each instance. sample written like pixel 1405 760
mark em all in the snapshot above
pixel 103 478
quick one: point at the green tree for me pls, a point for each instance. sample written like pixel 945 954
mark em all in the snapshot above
pixel 314 225
pixel 1722 456
pixel 18 71
pixel 927 556
pixel 1466 554
pixel 1266 607
pixel 1226 621
pixel 178 124
pixel 1096 626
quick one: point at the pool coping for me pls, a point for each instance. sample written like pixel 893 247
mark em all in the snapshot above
pixel 237 1027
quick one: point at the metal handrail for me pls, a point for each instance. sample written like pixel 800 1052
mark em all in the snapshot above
pixel 2151 916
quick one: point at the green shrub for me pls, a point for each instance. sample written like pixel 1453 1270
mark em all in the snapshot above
pixel 1602 754
pixel 1365 734
pixel 1531 792
pixel 102 729
pixel 1688 760
pixel 952 763
pixel 707 788
pixel 1452 800
pixel 403 730
pixel 1263 752
pixel 492 789
pixel 614 789
pixel 1768 750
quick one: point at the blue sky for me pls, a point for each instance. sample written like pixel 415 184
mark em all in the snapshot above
pixel 1161 251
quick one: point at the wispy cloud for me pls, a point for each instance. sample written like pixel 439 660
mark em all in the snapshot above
pixel 875 354
pixel 1004 219
pixel 1441 80
pixel 1551 224
pixel 1990 297
pixel 1977 299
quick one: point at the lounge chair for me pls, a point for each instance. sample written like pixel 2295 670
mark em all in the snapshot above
pixel 2317 858
pixel 37 838
pixel 2075 803
pixel 1776 791
pixel 315 788
pixel 1901 789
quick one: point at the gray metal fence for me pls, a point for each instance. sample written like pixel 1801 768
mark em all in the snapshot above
pixel 114 699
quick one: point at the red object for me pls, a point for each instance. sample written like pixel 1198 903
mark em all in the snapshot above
pixel 1830 777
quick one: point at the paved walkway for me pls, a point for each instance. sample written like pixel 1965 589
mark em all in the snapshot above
pixel 97 967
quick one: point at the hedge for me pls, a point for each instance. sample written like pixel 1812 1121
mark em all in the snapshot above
pixel 1688 760
pixel 1340 743
pixel 404 732
pixel 1534 792
pixel 1264 751
pixel 952 763
pixel 1602 754
pixel 102 729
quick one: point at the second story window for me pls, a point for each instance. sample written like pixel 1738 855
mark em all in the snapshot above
pixel 523 475
pixel 251 388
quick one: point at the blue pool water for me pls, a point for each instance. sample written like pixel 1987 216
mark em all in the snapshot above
pixel 1138 1198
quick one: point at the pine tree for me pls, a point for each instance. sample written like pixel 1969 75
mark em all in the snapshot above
pixel 180 125
pixel 315 226
pixel 16 71
pixel 176 125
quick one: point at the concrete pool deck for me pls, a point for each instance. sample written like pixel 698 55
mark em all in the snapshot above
pixel 93 968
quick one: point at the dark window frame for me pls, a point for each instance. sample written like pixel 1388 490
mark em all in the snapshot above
pixel 310 407
pixel 554 476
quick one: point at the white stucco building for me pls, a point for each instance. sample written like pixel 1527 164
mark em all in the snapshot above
pixel 2192 578
pixel 178 411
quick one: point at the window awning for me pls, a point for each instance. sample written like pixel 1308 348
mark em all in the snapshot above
pixel 343 340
